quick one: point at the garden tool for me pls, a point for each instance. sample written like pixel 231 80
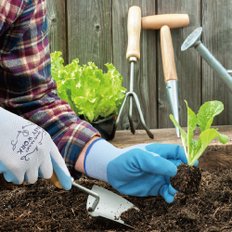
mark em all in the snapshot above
pixel 102 202
pixel 169 71
pixel 133 55
pixel 193 40
pixel 164 23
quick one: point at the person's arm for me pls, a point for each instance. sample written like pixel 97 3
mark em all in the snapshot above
pixel 79 165
pixel 68 131
pixel 9 12
pixel 140 170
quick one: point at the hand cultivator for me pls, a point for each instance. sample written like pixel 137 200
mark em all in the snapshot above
pixel 133 55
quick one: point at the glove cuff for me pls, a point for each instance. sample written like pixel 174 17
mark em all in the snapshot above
pixel 98 155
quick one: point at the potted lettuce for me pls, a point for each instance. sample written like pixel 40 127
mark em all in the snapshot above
pixel 199 135
pixel 94 95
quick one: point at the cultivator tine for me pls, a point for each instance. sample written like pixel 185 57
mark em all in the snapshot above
pixel 141 116
pixel 133 54
pixel 130 96
pixel 132 128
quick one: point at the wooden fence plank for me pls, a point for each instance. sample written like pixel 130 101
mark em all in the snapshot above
pixel 188 64
pixel 96 30
pixel 57 26
pixel 217 34
pixel 89 31
pixel 145 70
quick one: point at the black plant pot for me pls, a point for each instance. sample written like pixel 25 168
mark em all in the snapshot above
pixel 106 127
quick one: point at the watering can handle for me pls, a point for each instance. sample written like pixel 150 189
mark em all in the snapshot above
pixel 133 31
pixel 167 51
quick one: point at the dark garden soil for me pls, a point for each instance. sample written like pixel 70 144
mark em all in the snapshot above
pixel 42 207
pixel 187 180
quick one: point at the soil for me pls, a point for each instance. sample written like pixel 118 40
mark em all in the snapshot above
pixel 42 207
pixel 187 180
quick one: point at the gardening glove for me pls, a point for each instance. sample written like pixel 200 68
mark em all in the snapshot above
pixel 141 170
pixel 28 152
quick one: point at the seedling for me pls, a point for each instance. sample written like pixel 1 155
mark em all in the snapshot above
pixel 202 121
pixel 188 177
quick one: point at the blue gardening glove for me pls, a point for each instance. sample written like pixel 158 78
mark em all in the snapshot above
pixel 28 152
pixel 141 170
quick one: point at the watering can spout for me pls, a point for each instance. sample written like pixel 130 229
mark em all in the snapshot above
pixel 193 40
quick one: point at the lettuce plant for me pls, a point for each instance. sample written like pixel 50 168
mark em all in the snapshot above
pixel 89 91
pixel 202 121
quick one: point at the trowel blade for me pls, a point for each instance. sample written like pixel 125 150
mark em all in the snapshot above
pixel 172 92
pixel 110 206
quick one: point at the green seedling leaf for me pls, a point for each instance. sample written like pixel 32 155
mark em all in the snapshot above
pixel 202 121
pixel 192 123
pixel 205 138
pixel 207 112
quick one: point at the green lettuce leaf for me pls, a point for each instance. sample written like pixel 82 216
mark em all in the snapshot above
pixel 205 138
pixel 89 91
pixel 207 112
pixel 202 121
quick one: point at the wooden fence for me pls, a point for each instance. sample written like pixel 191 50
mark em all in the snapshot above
pixel 96 30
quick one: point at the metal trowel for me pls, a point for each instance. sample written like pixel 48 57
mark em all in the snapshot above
pixel 110 205
pixel 102 202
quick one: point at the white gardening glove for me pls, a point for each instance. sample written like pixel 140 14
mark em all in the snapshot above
pixel 28 152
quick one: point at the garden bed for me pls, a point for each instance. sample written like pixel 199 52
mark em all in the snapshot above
pixel 42 207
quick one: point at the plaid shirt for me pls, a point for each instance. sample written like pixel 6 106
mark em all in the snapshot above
pixel 26 86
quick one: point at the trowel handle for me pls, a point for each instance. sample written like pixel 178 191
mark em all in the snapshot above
pixel 172 20
pixel 55 181
pixel 167 52
pixel 133 30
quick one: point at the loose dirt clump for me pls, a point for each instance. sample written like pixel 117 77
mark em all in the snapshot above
pixel 187 180
pixel 42 207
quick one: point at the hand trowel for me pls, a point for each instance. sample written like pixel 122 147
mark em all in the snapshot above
pixel 102 202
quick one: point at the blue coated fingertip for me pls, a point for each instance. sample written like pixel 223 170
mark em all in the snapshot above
pixel 171 190
pixel 9 177
pixel 2 168
pixel 65 180
pixel 177 162
pixel 169 198
pixel 168 193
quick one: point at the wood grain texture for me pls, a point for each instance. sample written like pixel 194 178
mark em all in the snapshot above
pixel 188 64
pixel 123 138
pixel 56 16
pixel 215 155
pixel 96 30
pixel 217 34
pixel 89 31
pixel 145 70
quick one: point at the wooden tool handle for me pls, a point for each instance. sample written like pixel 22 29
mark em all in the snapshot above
pixel 171 20
pixel 55 181
pixel 133 30
pixel 167 52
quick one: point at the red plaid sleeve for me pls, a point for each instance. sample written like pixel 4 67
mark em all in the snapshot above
pixel 9 12
pixel 26 86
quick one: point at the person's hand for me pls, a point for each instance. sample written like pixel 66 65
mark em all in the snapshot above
pixel 28 152
pixel 141 170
